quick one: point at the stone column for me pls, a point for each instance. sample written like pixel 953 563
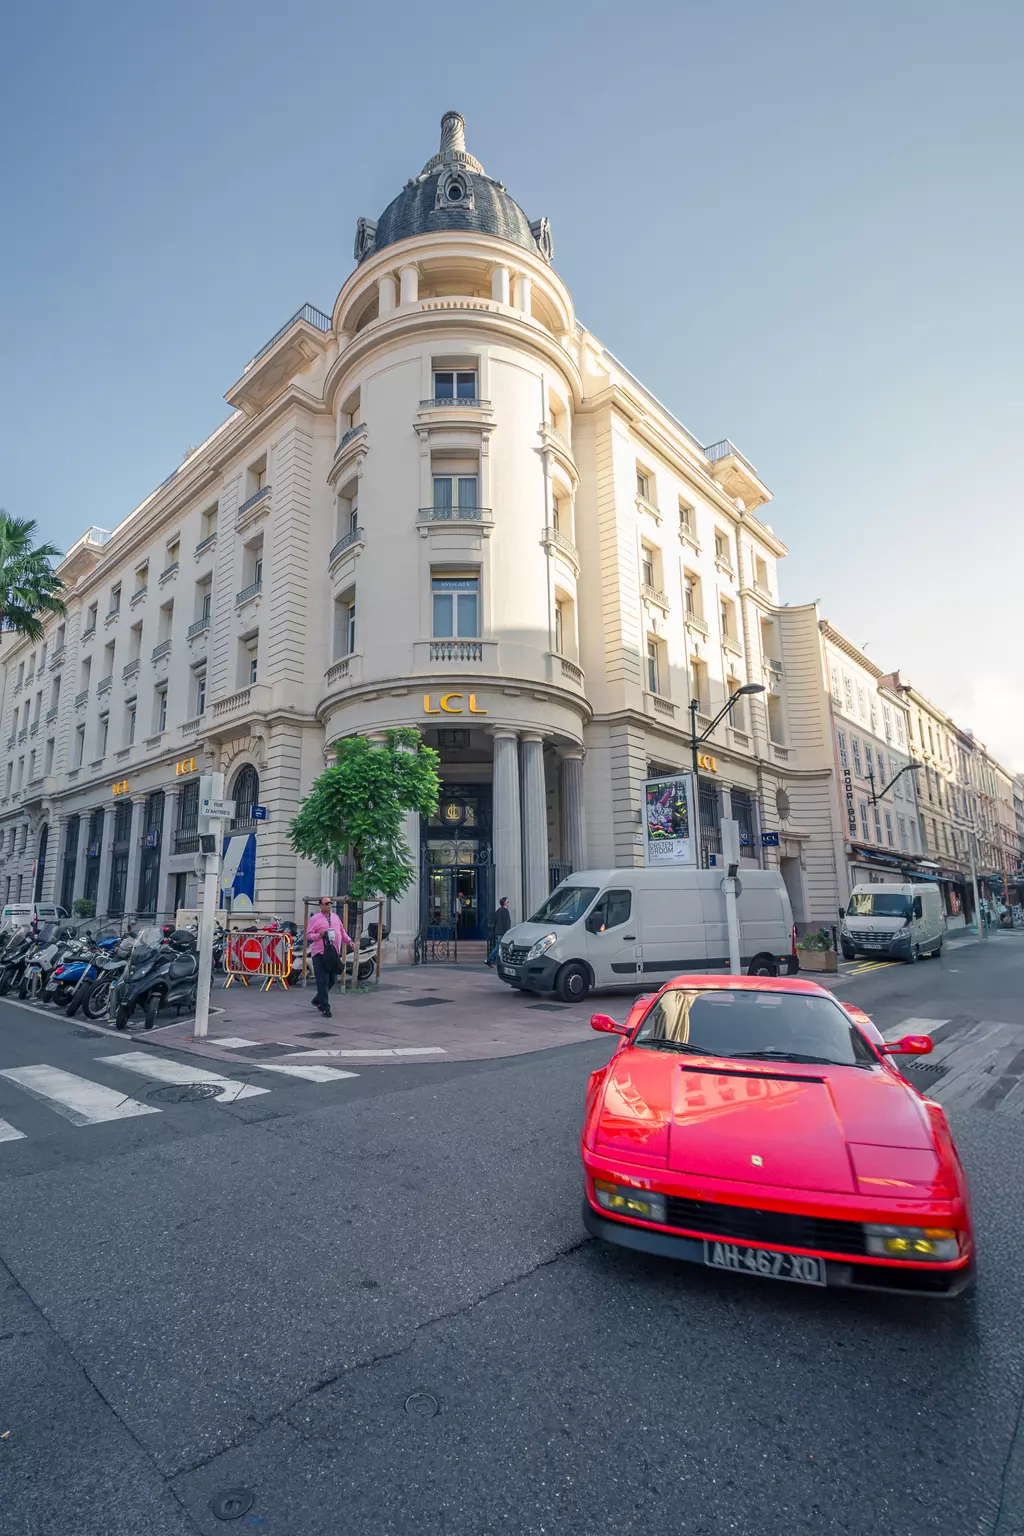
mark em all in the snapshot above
pixel 166 849
pixel 83 845
pixel 131 885
pixel 523 292
pixel 535 823
pixel 405 911
pixel 500 279
pixel 508 846
pixel 387 294
pixel 574 822
pixel 410 281
pixel 106 858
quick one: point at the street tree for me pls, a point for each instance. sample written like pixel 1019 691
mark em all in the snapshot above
pixel 29 586
pixel 355 809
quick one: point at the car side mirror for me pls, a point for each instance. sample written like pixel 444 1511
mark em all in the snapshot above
pixel 606 1025
pixel 911 1045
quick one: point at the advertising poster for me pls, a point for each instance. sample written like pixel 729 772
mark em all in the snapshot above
pixel 238 873
pixel 669 822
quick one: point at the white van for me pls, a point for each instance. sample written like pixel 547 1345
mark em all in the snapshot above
pixel 24 912
pixel 900 920
pixel 632 928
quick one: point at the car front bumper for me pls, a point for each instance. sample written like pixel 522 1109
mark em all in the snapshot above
pixel 532 975
pixel 934 1280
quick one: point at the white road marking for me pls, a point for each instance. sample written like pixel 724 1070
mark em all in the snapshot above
pixel 913 1027
pixel 8 1133
pixel 388 1050
pixel 312 1073
pixel 234 1043
pixel 76 1098
pixel 163 1070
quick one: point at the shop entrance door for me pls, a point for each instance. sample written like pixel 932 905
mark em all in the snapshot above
pixel 457 875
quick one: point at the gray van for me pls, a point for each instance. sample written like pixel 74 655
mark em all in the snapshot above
pixel 631 928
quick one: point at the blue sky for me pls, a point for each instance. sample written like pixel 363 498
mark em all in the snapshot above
pixel 800 224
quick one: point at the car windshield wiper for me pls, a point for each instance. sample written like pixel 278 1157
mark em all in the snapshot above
pixel 658 1044
pixel 776 1055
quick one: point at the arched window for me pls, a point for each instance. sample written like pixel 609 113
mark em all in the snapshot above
pixel 245 793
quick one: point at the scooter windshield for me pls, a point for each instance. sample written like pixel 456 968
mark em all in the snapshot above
pixel 145 945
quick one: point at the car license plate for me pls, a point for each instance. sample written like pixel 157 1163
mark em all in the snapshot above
pixel 510 970
pixel 765 1261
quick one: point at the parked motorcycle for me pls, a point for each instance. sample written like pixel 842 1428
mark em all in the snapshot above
pixel 16 955
pixel 92 994
pixel 365 957
pixel 78 965
pixel 49 951
pixel 162 969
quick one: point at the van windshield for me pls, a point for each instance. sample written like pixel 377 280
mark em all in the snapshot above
pixel 879 904
pixel 566 905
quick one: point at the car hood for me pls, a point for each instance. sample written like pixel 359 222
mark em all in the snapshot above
pixel 841 1130
pixel 526 934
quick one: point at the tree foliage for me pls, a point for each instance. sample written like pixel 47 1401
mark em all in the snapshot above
pixel 29 585
pixel 356 807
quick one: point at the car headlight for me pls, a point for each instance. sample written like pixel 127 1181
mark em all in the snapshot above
pixel 641 1204
pixel 936 1244
pixel 536 950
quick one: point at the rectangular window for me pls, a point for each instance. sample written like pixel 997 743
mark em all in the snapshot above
pixel 130 733
pixel 79 754
pixel 101 742
pixel 878 826
pixel 888 830
pixel 652 667
pixel 844 759
pixel 161 709
pixel 559 636
pixel 836 690
pixel 865 833
pixel 686 519
pixel 900 733
pixel 455 491
pixel 115 598
pixel 848 694
pixel 200 692
pixel 456 607
pixel 723 548
pixel 643 484
pixel 869 758
pixel 455 384
pixel 647 566
pixel 858 766
pixel 901 822
pixel 881 769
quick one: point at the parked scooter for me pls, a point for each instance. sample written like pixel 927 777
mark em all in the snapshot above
pixel 48 953
pixel 77 966
pixel 365 957
pixel 93 991
pixel 17 954
pixel 162 969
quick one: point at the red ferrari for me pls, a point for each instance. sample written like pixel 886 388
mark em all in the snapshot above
pixel 756 1125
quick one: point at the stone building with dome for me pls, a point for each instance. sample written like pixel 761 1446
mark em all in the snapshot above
pixel 445 504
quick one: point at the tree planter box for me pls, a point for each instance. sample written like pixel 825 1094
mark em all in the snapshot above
pixel 818 959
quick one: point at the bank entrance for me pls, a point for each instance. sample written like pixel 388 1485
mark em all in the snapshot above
pixel 457 869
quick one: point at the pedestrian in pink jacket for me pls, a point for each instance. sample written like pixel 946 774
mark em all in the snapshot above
pixel 325 930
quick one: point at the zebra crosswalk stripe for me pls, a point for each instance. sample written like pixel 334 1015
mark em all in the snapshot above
pixel 162 1069
pixel 77 1099
pixel 312 1072
pixel 8 1132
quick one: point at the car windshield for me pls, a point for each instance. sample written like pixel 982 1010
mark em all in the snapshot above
pixel 879 904
pixel 565 905
pixel 742 1025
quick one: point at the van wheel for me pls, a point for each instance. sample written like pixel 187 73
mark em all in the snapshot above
pixel 762 965
pixel 573 983
pixel 848 953
pixel 914 956
pixel 937 951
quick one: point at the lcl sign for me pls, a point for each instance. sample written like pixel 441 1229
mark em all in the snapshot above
pixel 451 704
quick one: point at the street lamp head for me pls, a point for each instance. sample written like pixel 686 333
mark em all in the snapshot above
pixel 749 688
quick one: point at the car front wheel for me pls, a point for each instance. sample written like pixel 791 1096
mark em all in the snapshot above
pixel 573 983
pixel 762 965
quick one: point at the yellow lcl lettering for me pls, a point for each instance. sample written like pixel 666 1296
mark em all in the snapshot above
pixel 426 706
pixel 451 709
pixel 472 706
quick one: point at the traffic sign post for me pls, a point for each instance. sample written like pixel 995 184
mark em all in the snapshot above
pixel 211 818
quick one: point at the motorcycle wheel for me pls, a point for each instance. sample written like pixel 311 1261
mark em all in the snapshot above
pixel 23 988
pixel 74 1003
pixel 367 969
pixel 121 1018
pixel 94 1003
pixel 5 983
pixel 152 1008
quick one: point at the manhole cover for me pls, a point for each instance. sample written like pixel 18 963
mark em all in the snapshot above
pixel 423 1002
pixel 421 1404
pixel 233 1503
pixel 550 1007
pixel 317 1034
pixel 186 1093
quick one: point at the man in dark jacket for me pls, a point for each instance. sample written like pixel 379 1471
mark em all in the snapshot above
pixel 499 925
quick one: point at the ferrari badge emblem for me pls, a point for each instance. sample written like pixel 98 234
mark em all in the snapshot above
pixel 758 1162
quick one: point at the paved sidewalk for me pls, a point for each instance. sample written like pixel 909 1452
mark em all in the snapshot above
pixel 416 1014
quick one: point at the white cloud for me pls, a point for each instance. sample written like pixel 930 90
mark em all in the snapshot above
pixel 993 708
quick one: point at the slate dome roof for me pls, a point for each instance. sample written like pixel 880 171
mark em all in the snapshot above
pixel 452 192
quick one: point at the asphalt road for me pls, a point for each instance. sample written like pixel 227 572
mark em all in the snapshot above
pixel 371 1303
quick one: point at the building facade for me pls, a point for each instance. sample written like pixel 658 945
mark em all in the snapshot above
pixel 444 504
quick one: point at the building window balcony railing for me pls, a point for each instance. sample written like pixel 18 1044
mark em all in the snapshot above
pixel 774 667
pixel 448 402
pixel 12 741
pixel 727 450
pixel 199 627
pixel 87 634
pixel 138 595
pixel 205 544
pixel 169 571
pixel 131 669
pixel 105 684
pixel 350 540
pixel 30 675
pixel 191 727
pixel 732 645
pixel 161 650
pixel 762 590
pixel 51 714
pixel 661 705
pixel 559 437
pixel 643 505
pixel 112 616
pixel 350 437
pixel 454 515
pixel 248 593
pixel 653 595
pixel 345 670
pixel 456 650
pixel 261 496
pixel 81 698
pixel 725 565
pixel 697 624
pixel 559 540
pixel 569 669
pixel 57 659
pixel 23 734
pixel 688 535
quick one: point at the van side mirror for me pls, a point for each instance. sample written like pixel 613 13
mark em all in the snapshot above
pixel 594 922
pixel 606 1025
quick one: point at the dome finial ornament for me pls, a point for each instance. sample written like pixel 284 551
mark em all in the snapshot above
pixel 453 133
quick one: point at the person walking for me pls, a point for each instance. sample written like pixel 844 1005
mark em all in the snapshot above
pixel 499 925
pixel 326 936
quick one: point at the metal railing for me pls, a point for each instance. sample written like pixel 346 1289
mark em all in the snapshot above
pixel 33 729
pixel 653 595
pixel 207 543
pixel 138 595
pixel 774 666
pixel 57 658
pixel 87 634
pixel 309 313
pixel 105 684
pixel 552 536
pixel 81 698
pixel 246 593
pixel 350 436
pixel 727 450
pixel 456 650
pixel 246 506
pixel 199 625
pixel 169 570
pixel 51 714
pixel 112 614
pixel 131 668
pixel 163 649
pixel 473 404
pixel 453 514
pixel 354 536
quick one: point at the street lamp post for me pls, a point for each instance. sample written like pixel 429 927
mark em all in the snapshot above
pixel 696 741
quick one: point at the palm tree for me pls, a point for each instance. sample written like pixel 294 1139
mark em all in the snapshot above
pixel 28 584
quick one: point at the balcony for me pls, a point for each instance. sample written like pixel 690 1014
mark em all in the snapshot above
pixel 137 596
pixel 30 675
pixel 81 698
pixel 169 571
pixel 698 625
pixel 160 651
pixel 199 627
pixel 732 645
pixel 643 505
pixel 723 562
pixel 192 727
pixel 204 544
pixel 131 669
pixel 659 705
pixel 774 667
pixel 19 686
pixel 431 654
pixel 57 659
pixel 113 616
pixel 12 741
pixel 561 670
pixel 105 683
pixel 253 700
pixel 566 546
pixel 449 403
pixel 33 729
pixel 87 634
pixel 352 540
pixel 350 437
pixel 735 474
pixel 51 714
pixel 688 535
pixel 345 672
pixel 477 515
pixel 762 591
pixel 559 437
pixel 248 593
pixel 252 510
pixel 653 595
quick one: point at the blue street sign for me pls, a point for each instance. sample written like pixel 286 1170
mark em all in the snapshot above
pixel 769 839
pixel 259 813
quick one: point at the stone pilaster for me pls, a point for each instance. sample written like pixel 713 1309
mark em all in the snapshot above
pixel 534 823
pixel 574 820
pixel 508 845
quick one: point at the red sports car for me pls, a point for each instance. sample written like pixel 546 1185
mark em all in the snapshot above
pixel 754 1124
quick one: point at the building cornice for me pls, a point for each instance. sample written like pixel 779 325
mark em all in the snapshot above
pixel 848 648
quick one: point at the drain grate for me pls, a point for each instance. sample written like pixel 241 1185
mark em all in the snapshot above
pixel 927 1069
pixel 184 1093
pixel 424 1002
